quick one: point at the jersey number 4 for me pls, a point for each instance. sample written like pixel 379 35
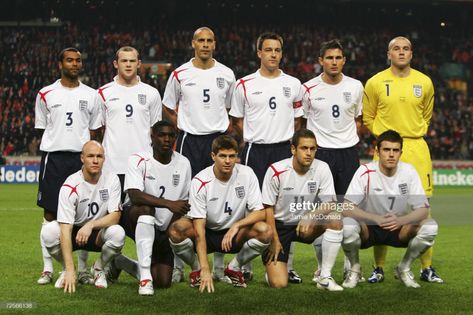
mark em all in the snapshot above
pixel 227 209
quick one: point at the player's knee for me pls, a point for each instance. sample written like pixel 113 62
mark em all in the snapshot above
pixel 351 230
pixel 144 210
pixel 50 234
pixel 278 283
pixel 336 222
pixel 114 236
pixel 428 230
pixel 177 231
pixel 264 232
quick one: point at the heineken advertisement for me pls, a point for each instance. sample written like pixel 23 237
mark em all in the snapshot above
pixel 453 177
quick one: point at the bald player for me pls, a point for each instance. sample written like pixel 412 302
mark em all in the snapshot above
pixel 88 214
pixel 402 99
pixel 201 89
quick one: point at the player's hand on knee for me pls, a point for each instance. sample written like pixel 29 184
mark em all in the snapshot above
pixel 69 282
pixel 302 229
pixel 273 251
pixel 228 237
pixel 391 222
pixel 206 281
pixel 179 207
pixel 83 234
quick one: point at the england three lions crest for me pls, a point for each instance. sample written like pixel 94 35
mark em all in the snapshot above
pixel 417 90
pixel 83 105
pixel 286 91
pixel 142 99
pixel 347 97
pixel 175 179
pixel 240 192
pixel 103 194
pixel 220 83
pixel 312 187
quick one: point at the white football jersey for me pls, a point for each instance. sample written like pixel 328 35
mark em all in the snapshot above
pixel 377 193
pixel 203 97
pixel 223 204
pixel 169 181
pixel 331 111
pixel 284 189
pixel 268 107
pixel 128 115
pixel 66 115
pixel 81 202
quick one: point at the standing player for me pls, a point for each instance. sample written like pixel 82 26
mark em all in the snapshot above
pixel 380 198
pixel 292 184
pixel 402 99
pixel 220 196
pixel 202 90
pixel 158 187
pixel 130 108
pixel 67 115
pixel 332 104
pixel 88 214
pixel 266 109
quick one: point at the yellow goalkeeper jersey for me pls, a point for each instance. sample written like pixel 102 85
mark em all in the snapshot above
pixel 401 104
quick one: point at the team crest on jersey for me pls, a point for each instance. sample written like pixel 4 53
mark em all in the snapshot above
pixel 286 91
pixel 175 179
pixel 83 105
pixel 142 99
pixel 347 97
pixel 104 194
pixel 220 83
pixel 403 189
pixel 240 192
pixel 312 187
pixel 417 90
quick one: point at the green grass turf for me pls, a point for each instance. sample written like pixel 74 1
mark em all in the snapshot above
pixel 20 265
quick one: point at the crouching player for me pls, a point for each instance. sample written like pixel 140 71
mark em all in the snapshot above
pixel 88 214
pixel 298 182
pixel 220 196
pixel 388 206
pixel 158 188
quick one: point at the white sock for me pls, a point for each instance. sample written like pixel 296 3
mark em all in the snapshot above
pixel 318 250
pixel 178 263
pixel 352 242
pixel 129 265
pixel 185 251
pixel 331 243
pixel 82 257
pixel 47 259
pixel 419 244
pixel 114 239
pixel 290 260
pixel 144 238
pixel 218 261
pixel 55 251
pixel 250 250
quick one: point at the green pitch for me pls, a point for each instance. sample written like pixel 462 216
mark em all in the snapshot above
pixel 20 265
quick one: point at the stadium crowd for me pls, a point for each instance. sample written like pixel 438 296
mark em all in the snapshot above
pixel 28 62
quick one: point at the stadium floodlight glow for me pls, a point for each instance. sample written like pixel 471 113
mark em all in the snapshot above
pixel 443 24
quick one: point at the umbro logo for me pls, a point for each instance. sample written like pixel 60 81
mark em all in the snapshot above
pixel 190 84
pixel 213 199
pixel 56 105
pixel 256 93
pixel 288 188
pixel 319 98
pixel 378 189
pixel 114 99
pixel 150 177
pixel 84 200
